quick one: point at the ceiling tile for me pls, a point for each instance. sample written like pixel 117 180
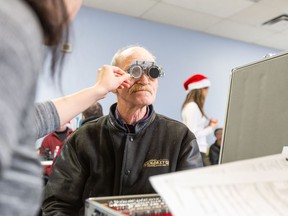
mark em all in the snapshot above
pixel 220 8
pixel 181 17
pixel 238 31
pixel 236 19
pixel 278 41
pixel 281 5
pixel 260 14
pixel 127 7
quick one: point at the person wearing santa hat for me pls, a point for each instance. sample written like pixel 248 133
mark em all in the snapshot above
pixel 192 112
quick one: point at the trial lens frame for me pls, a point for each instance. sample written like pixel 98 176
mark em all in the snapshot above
pixel 150 68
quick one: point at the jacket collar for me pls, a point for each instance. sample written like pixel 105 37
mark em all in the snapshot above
pixel 91 118
pixel 120 124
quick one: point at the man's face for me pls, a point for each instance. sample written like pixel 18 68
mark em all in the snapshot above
pixel 142 91
pixel 219 135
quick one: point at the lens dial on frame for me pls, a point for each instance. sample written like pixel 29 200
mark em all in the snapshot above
pixel 135 71
pixel 154 72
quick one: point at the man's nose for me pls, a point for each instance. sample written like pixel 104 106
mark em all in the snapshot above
pixel 144 79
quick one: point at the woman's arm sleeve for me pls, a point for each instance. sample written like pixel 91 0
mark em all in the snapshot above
pixel 46 118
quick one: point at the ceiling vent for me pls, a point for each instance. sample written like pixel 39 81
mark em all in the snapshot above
pixel 278 23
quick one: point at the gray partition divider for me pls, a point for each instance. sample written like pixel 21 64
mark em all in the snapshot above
pixel 256 122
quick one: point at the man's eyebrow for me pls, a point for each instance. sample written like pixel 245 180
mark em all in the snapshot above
pixel 126 68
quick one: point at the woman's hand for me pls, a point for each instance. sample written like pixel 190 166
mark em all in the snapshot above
pixel 213 123
pixel 110 78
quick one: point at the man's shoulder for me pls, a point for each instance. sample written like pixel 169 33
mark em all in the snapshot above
pixel 86 133
pixel 162 117
pixel 98 120
pixel 214 146
pixel 170 121
pixel 91 125
pixel 173 126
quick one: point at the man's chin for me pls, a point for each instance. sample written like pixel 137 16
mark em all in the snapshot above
pixel 144 101
pixel 142 92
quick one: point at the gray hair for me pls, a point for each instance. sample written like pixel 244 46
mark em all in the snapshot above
pixel 118 55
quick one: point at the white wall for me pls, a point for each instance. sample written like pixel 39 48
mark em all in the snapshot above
pixel 98 34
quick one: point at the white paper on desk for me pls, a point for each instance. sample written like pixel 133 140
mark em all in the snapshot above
pixel 253 187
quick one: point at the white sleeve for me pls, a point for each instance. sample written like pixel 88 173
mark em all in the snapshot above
pixel 192 118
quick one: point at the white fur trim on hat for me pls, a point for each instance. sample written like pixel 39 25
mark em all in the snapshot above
pixel 198 85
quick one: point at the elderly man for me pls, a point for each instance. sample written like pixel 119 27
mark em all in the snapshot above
pixel 117 154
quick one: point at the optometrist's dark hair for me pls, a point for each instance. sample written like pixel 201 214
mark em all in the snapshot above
pixel 53 17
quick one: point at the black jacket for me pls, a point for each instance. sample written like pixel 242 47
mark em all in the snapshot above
pixel 214 153
pixel 102 159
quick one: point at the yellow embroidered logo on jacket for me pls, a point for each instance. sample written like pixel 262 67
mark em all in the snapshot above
pixel 156 163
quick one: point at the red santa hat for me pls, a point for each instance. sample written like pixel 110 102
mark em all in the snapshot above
pixel 196 81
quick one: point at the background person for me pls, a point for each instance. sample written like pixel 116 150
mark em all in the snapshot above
pixel 93 112
pixel 53 143
pixel 214 151
pixel 117 154
pixel 193 114
pixel 25 25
